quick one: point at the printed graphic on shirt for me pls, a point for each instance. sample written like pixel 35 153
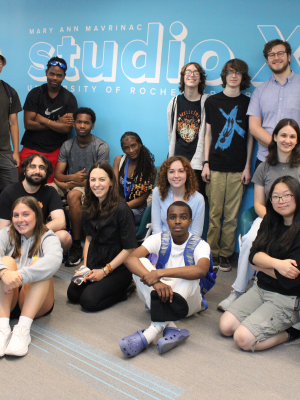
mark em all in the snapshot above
pixel 231 126
pixel 188 123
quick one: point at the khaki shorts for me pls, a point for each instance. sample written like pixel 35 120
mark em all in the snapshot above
pixel 63 192
pixel 265 313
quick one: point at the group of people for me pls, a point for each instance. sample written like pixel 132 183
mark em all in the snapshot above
pixel 210 150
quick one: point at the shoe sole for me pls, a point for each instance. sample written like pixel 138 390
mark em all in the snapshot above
pixel 225 269
pixel 167 346
pixel 69 264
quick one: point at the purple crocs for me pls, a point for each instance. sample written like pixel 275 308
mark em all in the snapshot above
pixel 172 337
pixel 133 344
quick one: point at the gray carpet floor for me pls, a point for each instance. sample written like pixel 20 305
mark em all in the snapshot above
pixel 75 355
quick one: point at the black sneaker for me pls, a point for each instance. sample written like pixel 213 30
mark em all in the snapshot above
pixel 216 264
pixel 224 264
pixel 75 255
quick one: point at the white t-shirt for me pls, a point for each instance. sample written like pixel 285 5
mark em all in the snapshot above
pixel 176 260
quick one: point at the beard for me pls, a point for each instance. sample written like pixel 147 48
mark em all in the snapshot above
pixel 281 70
pixel 36 182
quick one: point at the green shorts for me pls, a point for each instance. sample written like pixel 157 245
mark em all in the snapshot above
pixel 265 313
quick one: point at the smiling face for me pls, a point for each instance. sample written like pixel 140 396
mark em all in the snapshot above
pixel 190 80
pixel 179 220
pixel 36 172
pixel 286 140
pixel 100 183
pixel 278 64
pixel 83 125
pixel 55 75
pixel 24 220
pixel 131 147
pixel 284 202
pixel 233 78
pixel 176 175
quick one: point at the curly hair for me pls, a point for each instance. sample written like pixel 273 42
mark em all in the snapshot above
pixel 39 229
pixel 201 85
pixel 28 161
pixel 191 184
pixel 91 205
pixel 276 42
pixel 238 66
pixel 144 173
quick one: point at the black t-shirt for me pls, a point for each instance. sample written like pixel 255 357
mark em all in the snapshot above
pixel 229 130
pixel 46 196
pixel 110 236
pixel 282 285
pixel 39 101
pixel 188 124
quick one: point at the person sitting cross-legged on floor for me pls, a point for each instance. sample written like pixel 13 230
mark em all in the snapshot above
pixel 172 289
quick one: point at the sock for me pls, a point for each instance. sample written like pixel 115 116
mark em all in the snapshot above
pixel 154 329
pixel 171 324
pixel 77 242
pixel 4 323
pixel 25 321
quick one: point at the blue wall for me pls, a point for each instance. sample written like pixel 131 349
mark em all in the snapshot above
pixel 124 57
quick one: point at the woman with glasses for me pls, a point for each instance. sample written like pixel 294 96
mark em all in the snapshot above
pixel 186 119
pixel 283 159
pixel 263 317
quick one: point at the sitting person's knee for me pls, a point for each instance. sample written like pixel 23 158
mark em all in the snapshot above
pixel 226 324
pixel 243 338
pixel 9 262
pixel 73 293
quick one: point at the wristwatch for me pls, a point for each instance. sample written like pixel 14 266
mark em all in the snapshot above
pixel 205 162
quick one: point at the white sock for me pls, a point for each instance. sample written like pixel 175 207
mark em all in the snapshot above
pixel 25 321
pixel 155 328
pixel 4 323
pixel 171 324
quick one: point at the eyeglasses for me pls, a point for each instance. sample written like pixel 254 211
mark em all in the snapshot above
pixel 229 72
pixel 189 72
pixel 60 64
pixel 41 167
pixel 286 198
pixel 278 54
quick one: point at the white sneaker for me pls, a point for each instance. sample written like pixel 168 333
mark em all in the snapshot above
pixel 224 305
pixel 19 342
pixel 5 334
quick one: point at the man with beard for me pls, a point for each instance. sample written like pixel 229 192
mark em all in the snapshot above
pixel 275 99
pixel 33 175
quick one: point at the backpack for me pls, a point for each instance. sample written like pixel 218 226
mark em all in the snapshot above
pixel 164 254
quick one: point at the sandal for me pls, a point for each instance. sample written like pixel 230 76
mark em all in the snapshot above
pixel 133 344
pixel 173 337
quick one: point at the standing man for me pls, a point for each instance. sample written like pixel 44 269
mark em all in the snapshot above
pixel 228 149
pixel 48 114
pixel 186 119
pixel 33 175
pixel 275 99
pixel 9 107
pixel 75 159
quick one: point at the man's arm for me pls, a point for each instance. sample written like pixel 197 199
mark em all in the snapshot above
pixel 103 153
pixel 14 132
pixel 56 126
pixel 258 132
pixel 207 144
pixel 79 178
pixel 31 124
pixel 246 175
pixel 58 221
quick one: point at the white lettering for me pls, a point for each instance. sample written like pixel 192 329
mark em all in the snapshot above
pixel 87 28
pixel 75 28
pixel 123 27
pixel 31 31
pixel 118 89
pixel 108 89
pixel 151 91
pixel 138 27
pixel 110 28
pixel 50 29
pixel 163 91
pixel 85 88
pixel 142 90
pixel 38 31
pixel 131 28
pixel 69 29
pixel 61 29
pixel 94 88
pixel 132 90
pixel 72 89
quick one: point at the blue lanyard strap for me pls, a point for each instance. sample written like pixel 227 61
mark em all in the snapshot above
pixel 127 191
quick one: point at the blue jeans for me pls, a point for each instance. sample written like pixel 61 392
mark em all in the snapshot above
pixel 138 214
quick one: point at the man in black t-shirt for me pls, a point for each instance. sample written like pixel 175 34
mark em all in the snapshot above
pixel 226 169
pixel 186 119
pixel 9 107
pixel 48 114
pixel 33 175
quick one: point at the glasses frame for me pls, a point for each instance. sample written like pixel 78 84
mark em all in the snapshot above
pixel 189 72
pixel 281 197
pixel 279 54
pixel 58 64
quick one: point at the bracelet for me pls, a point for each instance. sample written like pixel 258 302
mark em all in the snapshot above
pixel 104 271
pixel 5 270
pixel 205 162
pixel 109 268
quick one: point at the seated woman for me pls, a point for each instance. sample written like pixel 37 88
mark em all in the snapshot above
pixel 110 238
pixel 263 317
pixel 176 182
pixel 30 256
pixel 283 159
pixel 137 169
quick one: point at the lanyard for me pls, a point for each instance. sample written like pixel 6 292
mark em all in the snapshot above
pixel 127 191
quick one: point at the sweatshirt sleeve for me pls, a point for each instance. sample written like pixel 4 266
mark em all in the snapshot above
pixel 48 264
pixel 4 245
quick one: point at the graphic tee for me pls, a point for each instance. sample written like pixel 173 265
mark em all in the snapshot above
pixel 188 124
pixel 229 129
pixel 39 101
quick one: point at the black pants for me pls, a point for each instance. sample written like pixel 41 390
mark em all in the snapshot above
pixel 201 182
pixel 96 296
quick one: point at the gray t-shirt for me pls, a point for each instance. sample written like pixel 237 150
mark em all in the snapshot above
pixel 77 157
pixel 266 174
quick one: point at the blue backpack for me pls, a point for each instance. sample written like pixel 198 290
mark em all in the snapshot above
pixel 164 254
